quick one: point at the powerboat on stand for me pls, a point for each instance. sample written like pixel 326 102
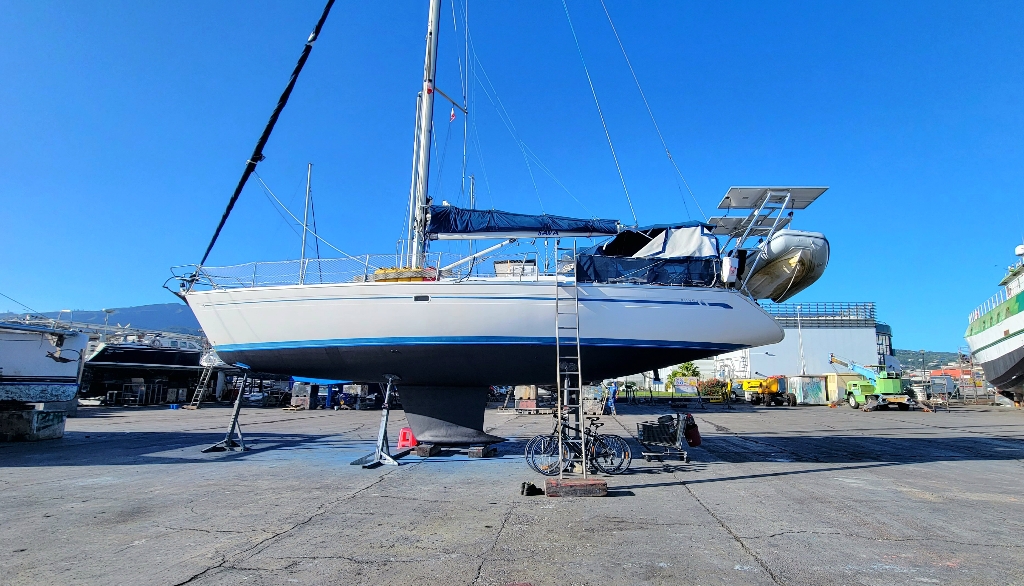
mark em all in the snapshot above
pixel 40 361
pixel 450 326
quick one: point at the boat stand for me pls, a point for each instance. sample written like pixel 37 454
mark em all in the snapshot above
pixel 229 443
pixel 382 453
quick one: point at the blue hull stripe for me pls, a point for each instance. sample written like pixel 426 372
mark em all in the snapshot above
pixel 474 340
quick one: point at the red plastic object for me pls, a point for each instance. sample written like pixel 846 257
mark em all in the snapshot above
pixel 690 431
pixel 406 439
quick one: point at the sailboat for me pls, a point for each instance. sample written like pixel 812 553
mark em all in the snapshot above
pixel 446 327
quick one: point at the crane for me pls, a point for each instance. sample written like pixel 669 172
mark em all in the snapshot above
pixel 884 384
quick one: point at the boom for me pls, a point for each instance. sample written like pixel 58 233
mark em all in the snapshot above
pixel 868 373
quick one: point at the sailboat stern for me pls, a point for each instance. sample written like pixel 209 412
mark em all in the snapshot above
pixel 447 415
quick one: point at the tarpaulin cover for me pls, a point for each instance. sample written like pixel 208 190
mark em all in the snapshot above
pixel 453 220
pixel 680 243
pixel 697 272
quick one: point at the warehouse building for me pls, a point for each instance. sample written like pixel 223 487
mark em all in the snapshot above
pixel 813 331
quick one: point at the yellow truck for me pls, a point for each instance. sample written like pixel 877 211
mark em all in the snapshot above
pixel 768 391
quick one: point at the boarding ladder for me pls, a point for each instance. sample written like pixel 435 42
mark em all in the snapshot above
pixel 567 356
pixel 202 389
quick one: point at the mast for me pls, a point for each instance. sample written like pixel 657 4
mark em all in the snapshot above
pixel 421 154
pixel 305 226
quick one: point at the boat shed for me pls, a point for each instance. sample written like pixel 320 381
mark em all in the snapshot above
pixel 813 331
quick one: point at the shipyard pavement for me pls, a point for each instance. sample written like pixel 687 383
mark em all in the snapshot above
pixel 804 495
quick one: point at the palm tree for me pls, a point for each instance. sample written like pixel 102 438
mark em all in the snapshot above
pixel 683 370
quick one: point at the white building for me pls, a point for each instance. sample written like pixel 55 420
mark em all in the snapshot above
pixel 813 331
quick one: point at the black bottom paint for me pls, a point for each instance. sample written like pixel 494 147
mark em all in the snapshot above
pixel 447 415
pixel 444 387
pixel 460 365
pixel 1007 371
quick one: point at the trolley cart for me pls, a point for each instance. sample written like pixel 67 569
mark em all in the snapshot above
pixel 661 438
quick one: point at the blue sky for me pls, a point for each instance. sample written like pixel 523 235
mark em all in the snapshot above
pixel 124 127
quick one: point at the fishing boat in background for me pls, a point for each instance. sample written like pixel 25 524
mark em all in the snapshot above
pixel 530 310
pixel 995 334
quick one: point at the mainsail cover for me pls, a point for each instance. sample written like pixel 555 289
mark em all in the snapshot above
pixel 450 222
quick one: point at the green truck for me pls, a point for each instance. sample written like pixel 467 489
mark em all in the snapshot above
pixel 884 384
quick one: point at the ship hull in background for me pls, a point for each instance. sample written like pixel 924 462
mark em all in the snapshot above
pixel 999 350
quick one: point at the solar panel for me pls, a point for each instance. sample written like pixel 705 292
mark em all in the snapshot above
pixel 736 225
pixel 751 198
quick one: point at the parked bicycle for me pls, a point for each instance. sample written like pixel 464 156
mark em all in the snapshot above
pixel 605 452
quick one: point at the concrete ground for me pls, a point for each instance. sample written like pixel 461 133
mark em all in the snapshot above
pixel 805 495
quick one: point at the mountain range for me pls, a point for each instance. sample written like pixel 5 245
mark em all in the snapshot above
pixel 165 317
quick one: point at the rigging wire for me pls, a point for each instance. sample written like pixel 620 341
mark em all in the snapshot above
pixel 464 81
pixel 600 113
pixel 276 209
pixel 483 166
pixel 547 171
pixel 319 265
pixel 499 107
pixel 298 221
pixel 23 305
pixel 471 103
pixel 473 61
pixel 257 153
pixel 664 144
pixel 444 153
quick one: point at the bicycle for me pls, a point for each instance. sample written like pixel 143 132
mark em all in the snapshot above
pixel 605 452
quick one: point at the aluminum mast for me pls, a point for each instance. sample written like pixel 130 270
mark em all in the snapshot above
pixel 421 153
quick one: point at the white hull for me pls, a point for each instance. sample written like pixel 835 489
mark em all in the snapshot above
pixel 999 350
pixel 470 333
pixel 28 375
pixel 789 262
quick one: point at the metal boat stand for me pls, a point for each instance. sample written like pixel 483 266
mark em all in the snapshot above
pixel 382 453
pixel 229 443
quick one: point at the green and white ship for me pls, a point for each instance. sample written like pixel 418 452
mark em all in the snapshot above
pixel 996 332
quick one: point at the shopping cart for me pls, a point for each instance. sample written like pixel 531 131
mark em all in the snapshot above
pixel 662 438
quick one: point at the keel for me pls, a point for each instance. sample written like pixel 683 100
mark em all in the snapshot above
pixel 447 415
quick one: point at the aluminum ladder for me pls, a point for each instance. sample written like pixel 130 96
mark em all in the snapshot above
pixel 202 389
pixel 567 356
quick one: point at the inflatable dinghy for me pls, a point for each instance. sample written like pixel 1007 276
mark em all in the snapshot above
pixel 787 263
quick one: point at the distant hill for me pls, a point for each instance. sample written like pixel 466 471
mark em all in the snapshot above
pixel 932 360
pixel 165 317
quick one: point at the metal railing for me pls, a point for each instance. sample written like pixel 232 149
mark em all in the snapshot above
pixel 1012 288
pixel 822 314
pixel 521 266
pixel 993 302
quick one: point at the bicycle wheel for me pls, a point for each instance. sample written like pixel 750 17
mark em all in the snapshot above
pixel 529 450
pixel 611 454
pixel 542 455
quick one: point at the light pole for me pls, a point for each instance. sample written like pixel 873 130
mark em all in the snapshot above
pixel 106 318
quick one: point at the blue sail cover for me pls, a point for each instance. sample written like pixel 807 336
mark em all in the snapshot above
pixel 448 222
